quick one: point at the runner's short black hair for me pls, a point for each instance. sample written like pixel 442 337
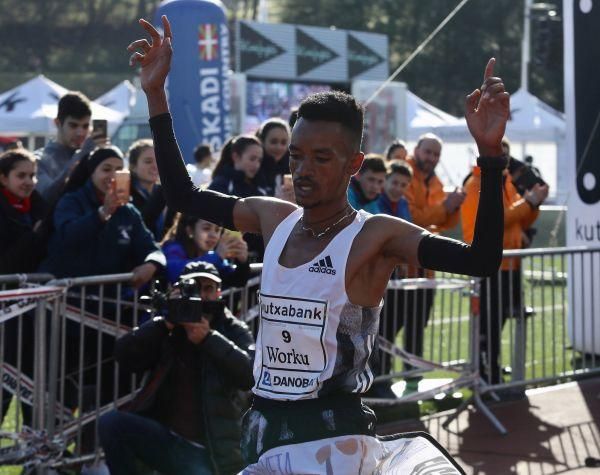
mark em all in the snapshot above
pixel 335 106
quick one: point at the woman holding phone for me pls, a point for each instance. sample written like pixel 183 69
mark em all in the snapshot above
pixel 96 230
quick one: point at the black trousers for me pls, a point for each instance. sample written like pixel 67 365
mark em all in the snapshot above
pixel 270 423
pixel 408 309
pixel 500 298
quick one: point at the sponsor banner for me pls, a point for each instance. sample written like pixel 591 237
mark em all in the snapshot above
pixel 582 109
pixel 297 53
pixel 90 320
pixel 16 309
pixel 13 381
pixel 27 299
pixel 44 291
pixel 198 88
pixel 411 453
pixel 292 348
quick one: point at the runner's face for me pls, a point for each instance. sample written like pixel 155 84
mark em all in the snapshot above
pixel 322 161
pixel 205 235
pixel 72 132
pixel 21 179
pixel 277 142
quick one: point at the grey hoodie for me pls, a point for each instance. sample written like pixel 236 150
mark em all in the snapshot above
pixel 55 162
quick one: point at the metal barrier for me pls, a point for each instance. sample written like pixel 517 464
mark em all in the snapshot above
pixel 467 331
pixel 24 398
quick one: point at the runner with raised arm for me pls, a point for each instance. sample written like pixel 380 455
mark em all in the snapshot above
pixel 325 270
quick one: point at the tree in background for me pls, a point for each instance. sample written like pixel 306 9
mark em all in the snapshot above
pixel 81 44
pixel 452 60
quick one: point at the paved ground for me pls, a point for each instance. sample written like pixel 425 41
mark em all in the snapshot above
pixel 550 432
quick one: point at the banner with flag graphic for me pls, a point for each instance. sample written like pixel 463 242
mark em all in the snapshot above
pixel 198 84
pixel 208 42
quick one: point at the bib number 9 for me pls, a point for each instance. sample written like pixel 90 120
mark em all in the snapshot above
pixel 286 336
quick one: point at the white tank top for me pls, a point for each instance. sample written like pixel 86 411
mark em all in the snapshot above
pixel 312 340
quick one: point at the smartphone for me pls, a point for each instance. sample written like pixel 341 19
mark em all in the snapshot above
pixel 123 183
pixel 100 127
pixel 287 180
pixel 231 233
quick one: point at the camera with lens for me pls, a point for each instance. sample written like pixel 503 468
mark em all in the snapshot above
pixel 525 176
pixel 184 305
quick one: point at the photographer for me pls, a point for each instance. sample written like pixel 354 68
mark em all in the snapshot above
pixel 186 419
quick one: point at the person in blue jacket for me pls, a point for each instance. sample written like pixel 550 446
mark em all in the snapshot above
pixel 238 169
pixel 96 230
pixel 392 201
pixel 192 239
pixel 365 187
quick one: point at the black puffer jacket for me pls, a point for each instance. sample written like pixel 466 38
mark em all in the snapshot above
pixel 224 363
pixel 21 248
pixel 234 182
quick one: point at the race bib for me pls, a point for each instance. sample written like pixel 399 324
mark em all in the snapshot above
pixel 293 352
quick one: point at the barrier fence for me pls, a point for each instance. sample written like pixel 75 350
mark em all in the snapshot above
pixel 496 335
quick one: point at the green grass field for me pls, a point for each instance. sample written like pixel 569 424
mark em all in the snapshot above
pixel 548 350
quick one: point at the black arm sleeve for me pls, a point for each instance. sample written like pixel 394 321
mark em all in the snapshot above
pixel 179 190
pixel 482 258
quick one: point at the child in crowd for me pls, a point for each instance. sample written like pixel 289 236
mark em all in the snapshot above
pixel 396 151
pixel 200 172
pixel 22 242
pixel 193 239
pixel 391 201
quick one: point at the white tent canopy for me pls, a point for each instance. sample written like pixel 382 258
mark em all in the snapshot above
pixel 30 109
pixel 531 120
pixel 534 128
pixel 121 98
pixel 422 117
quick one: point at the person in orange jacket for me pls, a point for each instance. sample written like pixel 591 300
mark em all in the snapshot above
pixel 500 295
pixel 431 207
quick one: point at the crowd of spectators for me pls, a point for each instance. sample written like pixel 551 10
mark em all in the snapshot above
pixel 62 213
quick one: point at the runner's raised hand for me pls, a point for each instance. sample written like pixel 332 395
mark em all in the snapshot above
pixel 155 57
pixel 487 110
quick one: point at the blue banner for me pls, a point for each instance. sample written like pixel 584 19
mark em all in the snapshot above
pixel 198 86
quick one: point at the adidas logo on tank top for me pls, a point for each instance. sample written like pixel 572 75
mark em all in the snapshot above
pixel 323 266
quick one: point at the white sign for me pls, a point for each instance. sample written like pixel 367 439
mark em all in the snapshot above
pixel 293 351
pixel 582 107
